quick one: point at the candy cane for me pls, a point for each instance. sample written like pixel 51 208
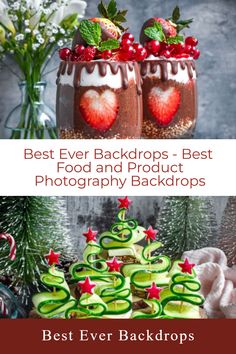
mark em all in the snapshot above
pixel 12 244
pixel 3 308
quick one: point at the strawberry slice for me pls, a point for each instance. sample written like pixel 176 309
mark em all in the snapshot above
pixel 99 110
pixel 164 104
pixel 109 29
pixel 169 28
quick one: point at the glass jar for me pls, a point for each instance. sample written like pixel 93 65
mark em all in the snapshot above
pixel 32 118
pixel 169 98
pixel 99 99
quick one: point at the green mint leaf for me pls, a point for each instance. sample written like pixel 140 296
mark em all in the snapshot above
pixel 120 18
pixel 175 40
pixel 102 9
pixel 91 32
pixel 183 24
pixel 110 44
pixel 155 33
pixel 176 14
pixel 112 9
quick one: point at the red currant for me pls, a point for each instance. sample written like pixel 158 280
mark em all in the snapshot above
pixel 187 48
pixel 196 55
pixel 128 36
pixel 141 55
pixel 64 53
pixel 107 54
pixel 126 43
pixel 74 57
pixel 191 41
pixel 89 53
pixel 153 46
pixel 137 47
pixel 180 48
pixel 166 53
pixel 79 49
pixel 127 54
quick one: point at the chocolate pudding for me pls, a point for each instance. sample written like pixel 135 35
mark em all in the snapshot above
pixel 169 98
pixel 99 100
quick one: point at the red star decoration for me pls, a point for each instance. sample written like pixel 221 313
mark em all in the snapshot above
pixel 150 233
pixel 86 286
pixel 124 203
pixel 52 257
pixel 114 265
pixel 90 235
pixel 186 267
pixel 154 292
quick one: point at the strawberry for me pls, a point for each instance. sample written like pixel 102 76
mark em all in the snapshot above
pixel 169 28
pixel 109 29
pixel 164 104
pixel 99 110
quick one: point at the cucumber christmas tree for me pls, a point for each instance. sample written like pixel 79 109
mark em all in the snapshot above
pixel 59 300
pixel 182 299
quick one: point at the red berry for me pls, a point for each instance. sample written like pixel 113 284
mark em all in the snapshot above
pixel 141 55
pixel 89 53
pixel 128 36
pixel 180 48
pixel 127 54
pixel 137 47
pixel 126 43
pixel 191 41
pixel 165 46
pixel 187 48
pixel 64 53
pixel 79 49
pixel 166 54
pixel 153 46
pixel 196 55
pixel 74 57
pixel 107 54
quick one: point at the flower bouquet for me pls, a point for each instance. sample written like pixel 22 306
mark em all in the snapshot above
pixel 31 32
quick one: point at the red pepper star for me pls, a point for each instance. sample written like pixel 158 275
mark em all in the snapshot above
pixel 150 233
pixel 114 265
pixel 154 292
pixel 52 257
pixel 124 203
pixel 86 286
pixel 90 235
pixel 186 267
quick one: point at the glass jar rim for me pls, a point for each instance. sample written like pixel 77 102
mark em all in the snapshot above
pixel 37 83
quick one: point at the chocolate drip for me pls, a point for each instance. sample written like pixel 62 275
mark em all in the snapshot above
pixel 102 68
pixel 152 66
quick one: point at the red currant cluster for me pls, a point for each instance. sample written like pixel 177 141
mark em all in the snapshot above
pixel 128 50
pixel 181 50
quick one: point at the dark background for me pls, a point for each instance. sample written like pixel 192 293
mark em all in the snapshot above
pixel 215 27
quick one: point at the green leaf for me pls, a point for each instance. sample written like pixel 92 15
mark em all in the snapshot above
pixel 102 10
pixel 175 40
pixel 91 32
pixel 110 44
pixel 176 14
pixel 155 32
pixel 120 18
pixel 112 8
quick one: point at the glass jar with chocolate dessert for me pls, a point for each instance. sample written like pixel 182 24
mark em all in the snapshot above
pixel 169 79
pixel 99 89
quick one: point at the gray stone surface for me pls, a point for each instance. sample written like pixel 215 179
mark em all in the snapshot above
pixel 100 212
pixel 214 25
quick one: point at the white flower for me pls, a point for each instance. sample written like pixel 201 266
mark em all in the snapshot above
pixel 27 30
pixel 4 17
pixel 69 8
pixel 26 22
pixel 52 39
pixel 15 6
pixel 60 43
pixel 35 46
pixel 40 40
pixel 62 31
pixel 42 24
pixel 19 37
pixel 33 4
pixel 35 32
pixel 49 33
pixel 55 30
